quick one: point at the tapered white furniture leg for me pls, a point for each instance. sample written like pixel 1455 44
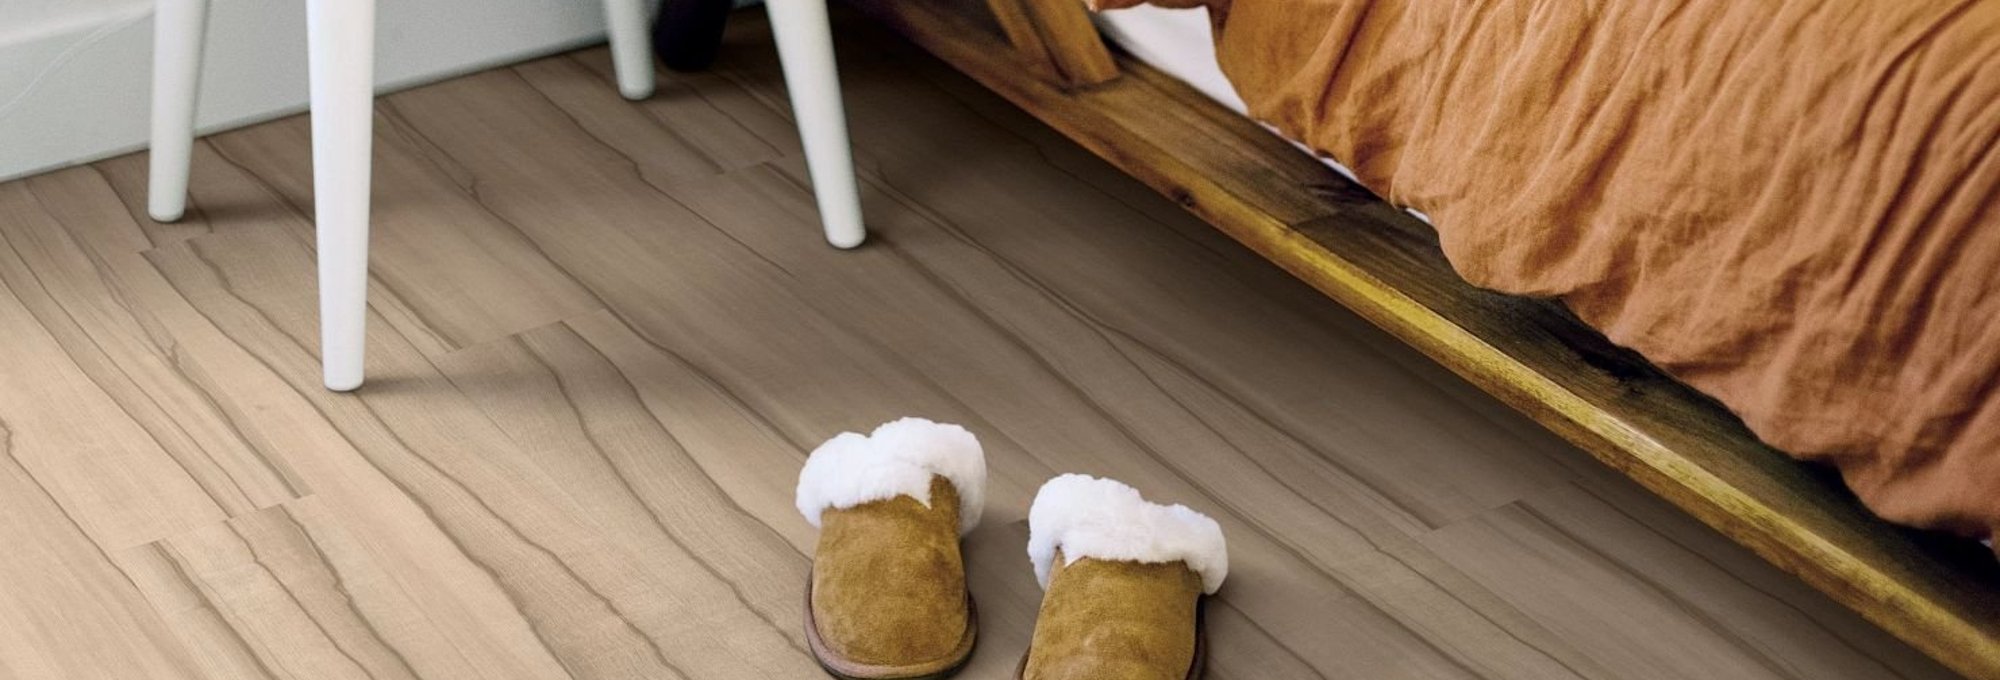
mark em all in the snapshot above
pixel 805 47
pixel 631 47
pixel 340 37
pixel 177 35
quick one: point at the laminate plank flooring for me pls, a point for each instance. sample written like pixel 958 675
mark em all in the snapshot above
pixel 605 334
pixel 65 609
pixel 319 605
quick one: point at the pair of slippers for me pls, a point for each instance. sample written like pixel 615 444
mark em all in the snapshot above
pixel 1123 579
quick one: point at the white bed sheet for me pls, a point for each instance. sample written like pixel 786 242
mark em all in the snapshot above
pixel 1179 42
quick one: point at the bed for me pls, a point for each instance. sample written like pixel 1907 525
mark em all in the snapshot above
pixel 1158 112
pixel 1810 245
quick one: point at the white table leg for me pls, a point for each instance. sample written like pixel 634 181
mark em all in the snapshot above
pixel 631 47
pixel 805 47
pixel 177 36
pixel 340 36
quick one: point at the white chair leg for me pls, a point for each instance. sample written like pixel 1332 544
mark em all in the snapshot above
pixel 805 47
pixel 340 36
pixel 177 36
pixel 631 50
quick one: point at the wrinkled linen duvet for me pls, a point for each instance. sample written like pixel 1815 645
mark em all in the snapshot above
pixel 1793 206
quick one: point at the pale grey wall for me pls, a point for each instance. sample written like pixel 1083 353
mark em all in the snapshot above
pixel 74 74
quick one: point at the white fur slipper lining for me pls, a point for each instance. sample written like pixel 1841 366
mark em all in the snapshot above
pixel 1104 519
pixel 898 459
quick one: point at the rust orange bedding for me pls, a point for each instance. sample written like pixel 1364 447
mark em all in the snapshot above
pixel 1793 206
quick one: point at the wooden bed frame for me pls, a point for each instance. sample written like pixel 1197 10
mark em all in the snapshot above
pixel 1044 55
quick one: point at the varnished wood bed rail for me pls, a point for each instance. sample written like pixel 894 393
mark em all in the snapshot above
pixel 1942 597
pixel 1056 36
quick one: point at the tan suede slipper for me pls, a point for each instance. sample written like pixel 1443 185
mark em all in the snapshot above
pixel 887 595
pixel 1123 583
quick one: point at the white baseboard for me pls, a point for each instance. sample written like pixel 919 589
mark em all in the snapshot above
pixel 75 74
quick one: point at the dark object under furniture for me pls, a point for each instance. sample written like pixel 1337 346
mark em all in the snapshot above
pixel 688 33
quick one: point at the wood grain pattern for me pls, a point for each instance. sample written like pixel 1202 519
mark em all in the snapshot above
pixel 577 453
pixel 65 610
pixel 110 342
pixel 1646 605
pixel 1057 36
pixel 121 484
pixel 288 592
pixel 1386 266
pixel 465 279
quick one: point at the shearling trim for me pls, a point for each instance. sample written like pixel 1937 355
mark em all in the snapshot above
pixel 1104 519
pixel 898 459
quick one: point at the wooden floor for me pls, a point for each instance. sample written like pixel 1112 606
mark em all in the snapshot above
pixel 606 334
